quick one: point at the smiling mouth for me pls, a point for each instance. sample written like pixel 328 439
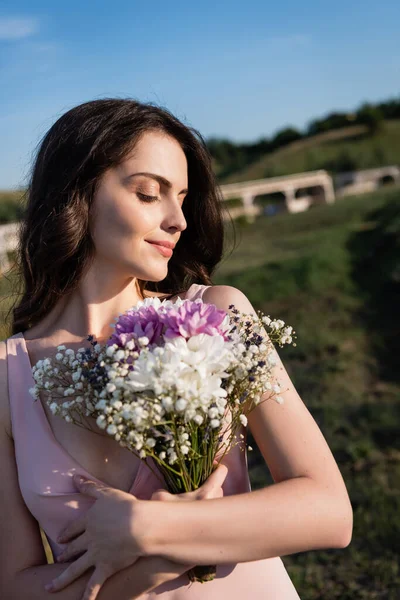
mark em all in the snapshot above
pixel 162 249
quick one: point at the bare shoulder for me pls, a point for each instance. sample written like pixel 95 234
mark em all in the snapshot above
pixel 225 295
pixel 5 417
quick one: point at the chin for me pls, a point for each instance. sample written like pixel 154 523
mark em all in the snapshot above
pixel 156 274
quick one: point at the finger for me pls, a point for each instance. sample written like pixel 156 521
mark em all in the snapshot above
pixel 73 529
pixel 163 495
pixel 89 487
pixel 75 570
pixel 94 585
pixel 217 477
pixel 75 547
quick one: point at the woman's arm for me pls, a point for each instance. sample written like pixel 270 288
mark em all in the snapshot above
pixel 128 584
pixel 307 508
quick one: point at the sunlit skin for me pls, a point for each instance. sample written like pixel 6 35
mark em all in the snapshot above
pixel 136 545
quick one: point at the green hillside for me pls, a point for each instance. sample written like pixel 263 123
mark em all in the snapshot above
pixel 338 150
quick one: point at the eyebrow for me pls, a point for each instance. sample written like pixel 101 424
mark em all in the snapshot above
pixel 158 178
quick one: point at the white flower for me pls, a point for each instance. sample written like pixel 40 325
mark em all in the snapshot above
pixel 151 442
pixel 278 399
pixel 101 421
pixel 214 423
pixel 111 387
pixel 53 407
pixel 59 356
pixel 213 412
pixel 167 403
pixel 101 404
pixel 185 449
pixel 111 349
pixel 62 347
pixel 76 375
pixel 180 404
pixel 119 355
pixel 243 420
pixel 198 419
pixel 162 455
pixel 34 392
pixel 111 429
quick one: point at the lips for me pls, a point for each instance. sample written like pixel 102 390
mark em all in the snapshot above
pixel 163 248
pixel 162 243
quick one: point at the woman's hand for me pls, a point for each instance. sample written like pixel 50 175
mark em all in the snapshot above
pixel 211 488
pixel 107 537
pixel 160 570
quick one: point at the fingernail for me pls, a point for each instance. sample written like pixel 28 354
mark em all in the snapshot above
pixel 49 587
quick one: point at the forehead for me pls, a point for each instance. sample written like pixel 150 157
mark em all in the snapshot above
pixel 158 152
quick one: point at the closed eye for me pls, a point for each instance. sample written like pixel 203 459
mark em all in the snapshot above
pixel 146 198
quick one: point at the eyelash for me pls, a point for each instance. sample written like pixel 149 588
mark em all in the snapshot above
pixel 146 198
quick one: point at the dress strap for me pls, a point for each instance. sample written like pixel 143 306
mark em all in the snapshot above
pixel 196 291
pixel 20 379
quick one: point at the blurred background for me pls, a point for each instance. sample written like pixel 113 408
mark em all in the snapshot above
pixel 299 104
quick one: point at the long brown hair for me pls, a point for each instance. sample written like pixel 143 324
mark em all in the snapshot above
pixel 55 246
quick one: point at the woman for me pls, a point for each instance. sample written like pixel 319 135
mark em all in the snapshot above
pixel 116 186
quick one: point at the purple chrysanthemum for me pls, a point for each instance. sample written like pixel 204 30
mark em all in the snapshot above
pixel 193 318
pixel 134 324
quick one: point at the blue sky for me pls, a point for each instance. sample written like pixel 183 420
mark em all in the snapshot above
pixel 236 69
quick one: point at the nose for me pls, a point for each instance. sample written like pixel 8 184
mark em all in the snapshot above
pixel 174 218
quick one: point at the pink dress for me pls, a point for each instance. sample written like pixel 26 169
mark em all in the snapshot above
pixel 45 472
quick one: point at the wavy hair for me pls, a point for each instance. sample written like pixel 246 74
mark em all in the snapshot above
pixel 55 246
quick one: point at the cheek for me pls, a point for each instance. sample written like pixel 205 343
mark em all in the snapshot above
pixel 118 221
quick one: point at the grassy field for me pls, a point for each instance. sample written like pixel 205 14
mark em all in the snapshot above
pixel 332 151
pixel 333 273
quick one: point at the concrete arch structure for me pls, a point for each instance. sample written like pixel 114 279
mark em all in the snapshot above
pixel 366 180
pixel 318 184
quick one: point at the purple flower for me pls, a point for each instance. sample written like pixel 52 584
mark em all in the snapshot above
pixel 193 318
pixel 136 323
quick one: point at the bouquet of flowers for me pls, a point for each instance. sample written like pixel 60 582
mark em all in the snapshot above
pixel 174 382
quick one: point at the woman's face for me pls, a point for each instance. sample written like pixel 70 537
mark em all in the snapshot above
pixel 139 203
